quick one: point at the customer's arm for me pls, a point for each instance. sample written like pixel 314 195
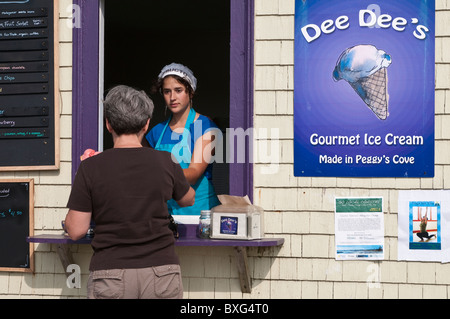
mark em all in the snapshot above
pixel 77 224
pixel 188 199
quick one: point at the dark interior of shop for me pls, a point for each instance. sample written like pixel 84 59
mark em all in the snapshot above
pixel 143 36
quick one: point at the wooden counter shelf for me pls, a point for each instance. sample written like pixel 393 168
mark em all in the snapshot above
pixel 187 238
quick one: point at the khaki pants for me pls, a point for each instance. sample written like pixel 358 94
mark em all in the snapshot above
pixel 144 283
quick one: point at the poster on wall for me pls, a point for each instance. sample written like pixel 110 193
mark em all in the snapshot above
pixel 423 225
pixel 359 228
pixel 364 88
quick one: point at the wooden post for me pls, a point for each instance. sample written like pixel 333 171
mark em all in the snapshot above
pixel 65 255
pixel 242 265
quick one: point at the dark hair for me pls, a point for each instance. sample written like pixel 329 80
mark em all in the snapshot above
pixel 158 85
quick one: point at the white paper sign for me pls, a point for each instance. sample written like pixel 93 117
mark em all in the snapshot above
pixel 359 228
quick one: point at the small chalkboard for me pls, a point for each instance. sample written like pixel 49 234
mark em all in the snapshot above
pixel 29 90
pixel 16 224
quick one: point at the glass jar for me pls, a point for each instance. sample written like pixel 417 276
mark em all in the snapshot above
pixel 204 225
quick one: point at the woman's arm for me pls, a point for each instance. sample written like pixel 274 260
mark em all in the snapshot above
pixel 77 224
pixel 204 150
pixel 188 199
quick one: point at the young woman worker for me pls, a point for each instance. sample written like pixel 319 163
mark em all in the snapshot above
pixel 188 135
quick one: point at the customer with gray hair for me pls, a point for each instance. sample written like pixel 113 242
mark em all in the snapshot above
pixel 124 191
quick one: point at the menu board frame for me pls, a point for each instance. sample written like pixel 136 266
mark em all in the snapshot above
pixel 30 267
pixel 47 137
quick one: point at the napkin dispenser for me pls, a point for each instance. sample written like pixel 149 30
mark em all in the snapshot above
pixel 236 218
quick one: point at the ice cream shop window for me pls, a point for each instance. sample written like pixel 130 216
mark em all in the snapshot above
pixel 128 42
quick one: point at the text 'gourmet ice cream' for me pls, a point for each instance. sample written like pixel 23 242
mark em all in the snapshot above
pixel 364 68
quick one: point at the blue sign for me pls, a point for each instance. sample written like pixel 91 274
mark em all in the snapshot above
pixel 364 88
pixel 229 225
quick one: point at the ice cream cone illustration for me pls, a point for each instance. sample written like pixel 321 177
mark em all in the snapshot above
pixel 364 68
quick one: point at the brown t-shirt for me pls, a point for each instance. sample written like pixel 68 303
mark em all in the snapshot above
pixel 127 191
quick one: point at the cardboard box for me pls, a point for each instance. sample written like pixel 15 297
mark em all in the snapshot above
pixel 236 218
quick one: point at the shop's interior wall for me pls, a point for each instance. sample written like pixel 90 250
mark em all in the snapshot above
pixel 141 37
pixel 297 209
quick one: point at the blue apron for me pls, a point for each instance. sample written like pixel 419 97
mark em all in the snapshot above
pixel 205 195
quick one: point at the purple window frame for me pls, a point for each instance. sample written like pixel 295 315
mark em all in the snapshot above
pixel 85 95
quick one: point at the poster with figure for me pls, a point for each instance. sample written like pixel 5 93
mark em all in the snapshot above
pixel 364 88
pixel 423 225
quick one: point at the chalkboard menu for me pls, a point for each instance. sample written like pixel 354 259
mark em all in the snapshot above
pixel 16 224
pixel 29 108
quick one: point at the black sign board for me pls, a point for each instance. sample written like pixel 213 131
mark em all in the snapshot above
pixel 29 106
pixel 16 224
